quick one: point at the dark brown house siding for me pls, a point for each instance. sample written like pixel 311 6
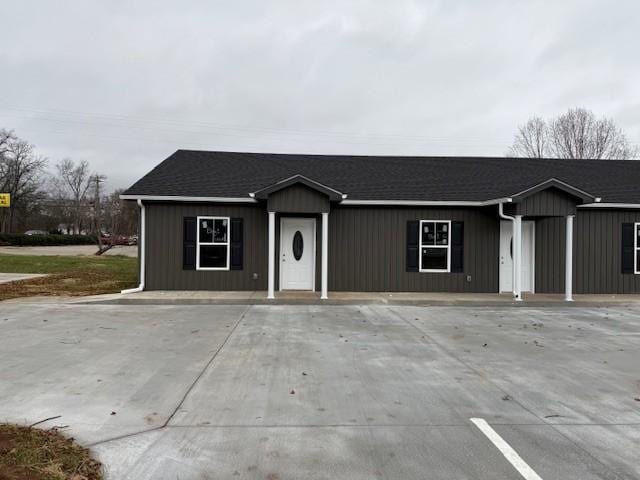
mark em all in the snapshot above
pixel 164 248
pixel 550 254
pixel 298 199
pixel 596 253
pixel 549 202
pixel 597 238
pixel 367 250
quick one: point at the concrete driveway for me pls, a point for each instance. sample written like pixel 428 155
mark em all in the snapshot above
pixel 280 392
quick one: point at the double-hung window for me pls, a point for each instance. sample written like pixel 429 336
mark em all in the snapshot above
pixel 435 245
pixel 636 247
pixel 212 252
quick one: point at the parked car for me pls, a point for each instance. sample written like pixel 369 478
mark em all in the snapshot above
pixel 35 232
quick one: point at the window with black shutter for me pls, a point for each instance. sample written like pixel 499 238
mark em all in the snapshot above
pixel 457 247
pixel 237 248
pixel 189 243
pixel 213 243
pixel 413 230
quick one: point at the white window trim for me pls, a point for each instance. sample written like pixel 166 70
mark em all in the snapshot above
pixel 227 243
pixel 635 248
pixel 447 246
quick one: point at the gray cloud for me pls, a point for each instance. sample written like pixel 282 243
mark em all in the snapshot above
pixel 123 84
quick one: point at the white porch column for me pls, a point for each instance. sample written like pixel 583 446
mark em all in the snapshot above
pixel 517 258
pixel 271 279
pixel 325 256
pixel 568 262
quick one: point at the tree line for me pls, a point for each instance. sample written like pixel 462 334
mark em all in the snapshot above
pixel 576 134
pixel 66 199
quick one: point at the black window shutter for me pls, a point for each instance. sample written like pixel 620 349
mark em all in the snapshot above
pixel 237 247
pixel 413 227
pixel 627 248
pixel 189 243
pixel 457 247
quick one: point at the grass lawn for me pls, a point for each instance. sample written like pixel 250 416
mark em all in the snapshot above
pixel 68 275
pixel 31 454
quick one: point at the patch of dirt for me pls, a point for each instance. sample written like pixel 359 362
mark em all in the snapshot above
pixel 78 283
pixel 28 453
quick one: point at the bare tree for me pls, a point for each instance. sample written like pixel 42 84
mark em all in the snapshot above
pixel 20 175
pixel 120 216
pixel 531 140
pixel 576 134
pixel 6 137
pixel 73 182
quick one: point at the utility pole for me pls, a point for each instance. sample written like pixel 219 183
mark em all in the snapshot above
pixel 98 179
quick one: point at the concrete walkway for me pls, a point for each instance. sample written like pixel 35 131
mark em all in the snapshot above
pixel 15 277
pixel 164 297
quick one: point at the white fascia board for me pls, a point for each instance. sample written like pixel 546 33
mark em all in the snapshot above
pixel 248 199
pixel 434 203
pixel 174 198
pixel 610 205
pixel 554 180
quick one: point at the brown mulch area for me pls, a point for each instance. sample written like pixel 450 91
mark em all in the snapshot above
pixel 28 453
pixel 76 283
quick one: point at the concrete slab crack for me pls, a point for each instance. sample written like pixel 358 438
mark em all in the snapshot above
pixel 186 393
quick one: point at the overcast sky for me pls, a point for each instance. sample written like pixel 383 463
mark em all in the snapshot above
pixel 123 84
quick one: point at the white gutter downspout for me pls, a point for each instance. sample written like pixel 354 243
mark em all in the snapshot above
pixel 515 271
pixel 141 240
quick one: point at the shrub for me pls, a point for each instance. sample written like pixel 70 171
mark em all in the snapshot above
pixel 21 240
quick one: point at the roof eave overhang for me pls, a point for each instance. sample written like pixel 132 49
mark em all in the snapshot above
pixel 435 203
pixel 430 203
pixel 610 205
pixel 332 193
pixel 181 198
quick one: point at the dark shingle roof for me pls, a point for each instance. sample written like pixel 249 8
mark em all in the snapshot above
pixel 229 174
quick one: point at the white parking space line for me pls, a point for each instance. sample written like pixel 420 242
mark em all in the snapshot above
pixel 509 453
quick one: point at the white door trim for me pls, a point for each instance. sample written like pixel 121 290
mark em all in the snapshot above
pixel 313 221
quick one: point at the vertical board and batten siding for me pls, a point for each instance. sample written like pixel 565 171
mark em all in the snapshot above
pixel 367 250
pixel 550 248
pixel 298 199
pixel 546 203
pixel 164 232
pixel 598 252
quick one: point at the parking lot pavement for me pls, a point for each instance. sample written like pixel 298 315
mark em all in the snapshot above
pixel 331 391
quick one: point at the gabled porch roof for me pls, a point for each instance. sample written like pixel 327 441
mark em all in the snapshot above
pixel 264 193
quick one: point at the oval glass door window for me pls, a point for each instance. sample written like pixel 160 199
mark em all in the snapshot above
pixel 298 245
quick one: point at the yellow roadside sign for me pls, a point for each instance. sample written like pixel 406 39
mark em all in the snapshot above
pixel 5 200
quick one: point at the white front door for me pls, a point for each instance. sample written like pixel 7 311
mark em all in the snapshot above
pixel 297 253
pixel 506 256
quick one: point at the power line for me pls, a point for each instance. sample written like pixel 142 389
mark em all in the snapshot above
pixel 230 130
